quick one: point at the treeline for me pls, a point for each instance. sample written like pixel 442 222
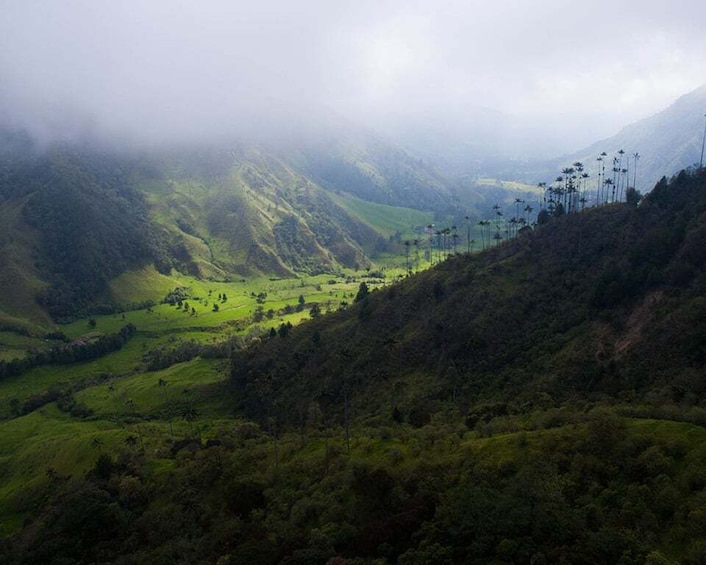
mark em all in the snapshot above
pixel 163 357
pixel 74 352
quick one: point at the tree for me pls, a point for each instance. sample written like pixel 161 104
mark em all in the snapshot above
pixel 636 158
pixel 633 196
pixel 363 292
pixel 189 413
pixel 163 385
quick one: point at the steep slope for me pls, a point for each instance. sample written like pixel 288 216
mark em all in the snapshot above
pixel 667 142
pixel 78 216
pixel 377 171
pixel 74 222
pixel 603 303
pixel 252 213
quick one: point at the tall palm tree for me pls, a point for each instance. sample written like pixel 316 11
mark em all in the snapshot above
pixel 621 172
pixel 468 235
pixel 614 184
pixel 528 210
pixel 636 158
pixel 430 233
pixel 542 186
pixel 163 385
pixel 518 201
pixel 601 177
pixel 481 224
pixel 578 176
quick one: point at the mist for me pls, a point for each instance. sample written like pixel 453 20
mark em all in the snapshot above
pixel 527 78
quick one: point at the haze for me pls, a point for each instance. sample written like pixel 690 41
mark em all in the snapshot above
pixel 554 74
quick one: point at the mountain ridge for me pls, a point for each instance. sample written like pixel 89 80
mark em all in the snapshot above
pixel 668 141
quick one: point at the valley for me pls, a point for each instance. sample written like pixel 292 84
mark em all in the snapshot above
pixel 536 400
pixel 337 353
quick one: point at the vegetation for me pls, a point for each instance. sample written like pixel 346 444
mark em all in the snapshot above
pixel 540 402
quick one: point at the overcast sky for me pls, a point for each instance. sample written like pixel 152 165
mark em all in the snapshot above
pixel 166 68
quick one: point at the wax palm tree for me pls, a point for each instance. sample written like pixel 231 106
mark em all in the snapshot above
pixel 518 201
pixel 578 176
pixel 542 186
pixel 621 174
pixel 568 176
pixel 609 185
pixel 599 179
pixel 482 224
pixel 163 385
pixel 189 413
pixel 468 235
pixel 636 158
pixel 528 210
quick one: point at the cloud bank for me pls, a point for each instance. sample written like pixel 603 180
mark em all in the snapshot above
pixel 160 70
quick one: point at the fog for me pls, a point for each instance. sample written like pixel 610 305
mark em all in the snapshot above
pixel 539 76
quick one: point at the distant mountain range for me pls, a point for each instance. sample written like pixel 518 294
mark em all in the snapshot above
pixel 666 142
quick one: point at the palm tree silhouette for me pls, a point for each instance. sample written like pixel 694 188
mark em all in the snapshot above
pixel 636 158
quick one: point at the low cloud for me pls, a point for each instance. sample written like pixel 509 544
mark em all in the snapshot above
pixel 162 70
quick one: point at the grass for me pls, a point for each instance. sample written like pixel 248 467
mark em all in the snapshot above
pixel 385 219
pixel 136 405
pixel 144 390
pixel 128 401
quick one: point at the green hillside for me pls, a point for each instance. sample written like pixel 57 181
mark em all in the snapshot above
pixel 538 402
pixel 602 303
pixel 75 218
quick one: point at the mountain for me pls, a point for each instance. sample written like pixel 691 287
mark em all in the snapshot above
pixel 76 216
pixel 667 142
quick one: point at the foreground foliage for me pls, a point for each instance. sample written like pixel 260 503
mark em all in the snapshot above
pixel 599 490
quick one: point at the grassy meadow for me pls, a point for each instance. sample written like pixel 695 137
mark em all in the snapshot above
pixel 125 400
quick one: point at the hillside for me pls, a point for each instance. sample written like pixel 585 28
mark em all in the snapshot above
pixel 667 142
pixel 538 402
pixel 76 217
pixel 605 303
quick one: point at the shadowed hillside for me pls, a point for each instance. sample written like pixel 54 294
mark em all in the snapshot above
pixel 604 303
